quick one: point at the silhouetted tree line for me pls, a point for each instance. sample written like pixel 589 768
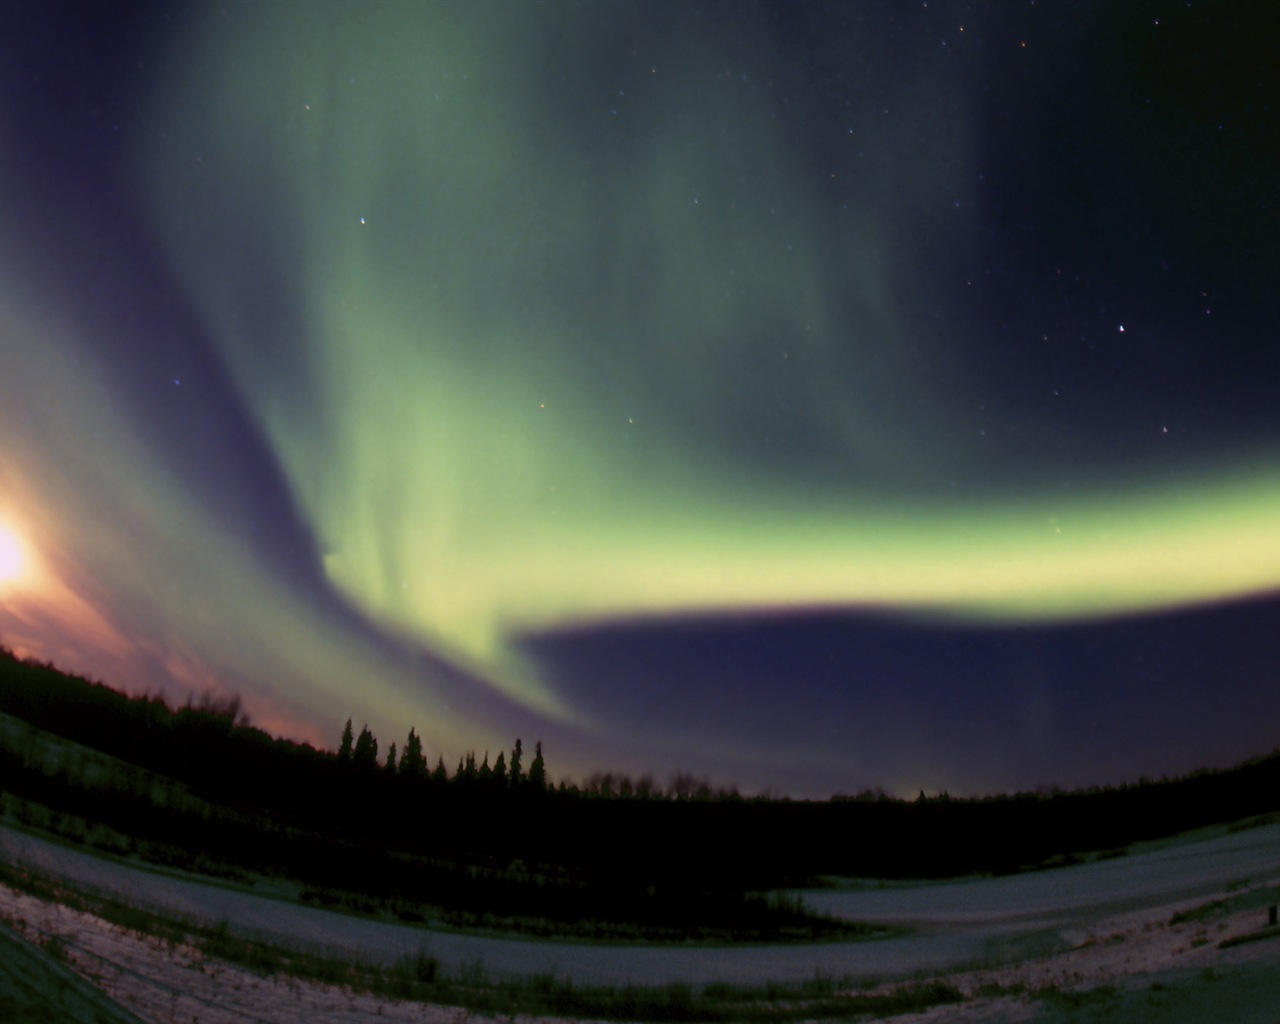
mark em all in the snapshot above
pixel 492 827
pixel 358 755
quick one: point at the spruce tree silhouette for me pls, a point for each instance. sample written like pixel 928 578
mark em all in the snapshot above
pixel 413 761
pixel 538 770
pixel 516 777
pixel 366 752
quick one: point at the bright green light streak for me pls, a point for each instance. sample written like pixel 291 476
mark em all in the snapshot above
pixel 458 417
pixel 1001 563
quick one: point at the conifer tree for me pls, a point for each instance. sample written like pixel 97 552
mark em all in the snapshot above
pixel 516 776
pixel 440 775
pixel 390 766
pixel 344 750
pixel 500 769
pixel 366 752
pixel 486 773
pixel 538 769
pixel 413 761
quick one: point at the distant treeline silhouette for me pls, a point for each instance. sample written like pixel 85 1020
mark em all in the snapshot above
pixel 490 846
pixel 507 819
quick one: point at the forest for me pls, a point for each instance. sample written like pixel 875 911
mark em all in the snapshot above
pixel 497 845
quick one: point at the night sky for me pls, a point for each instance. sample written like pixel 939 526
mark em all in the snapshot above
pixel 813 397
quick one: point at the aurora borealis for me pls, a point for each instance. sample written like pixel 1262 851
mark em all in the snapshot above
pixel 811 397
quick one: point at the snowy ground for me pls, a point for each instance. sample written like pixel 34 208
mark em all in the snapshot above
pixel 1090 942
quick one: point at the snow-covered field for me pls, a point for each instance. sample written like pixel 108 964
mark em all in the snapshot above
pixel 1072 930
pixel 1153 874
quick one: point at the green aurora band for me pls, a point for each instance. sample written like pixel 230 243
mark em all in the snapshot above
pixel 517 369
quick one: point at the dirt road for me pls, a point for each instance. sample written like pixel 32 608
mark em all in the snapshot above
pixel 955 922
pixel 1150 937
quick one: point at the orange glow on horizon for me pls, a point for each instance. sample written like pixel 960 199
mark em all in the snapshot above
pixel 45 614
pixel 13 557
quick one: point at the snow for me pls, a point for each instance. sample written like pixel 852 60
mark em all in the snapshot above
pixel 1073 929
